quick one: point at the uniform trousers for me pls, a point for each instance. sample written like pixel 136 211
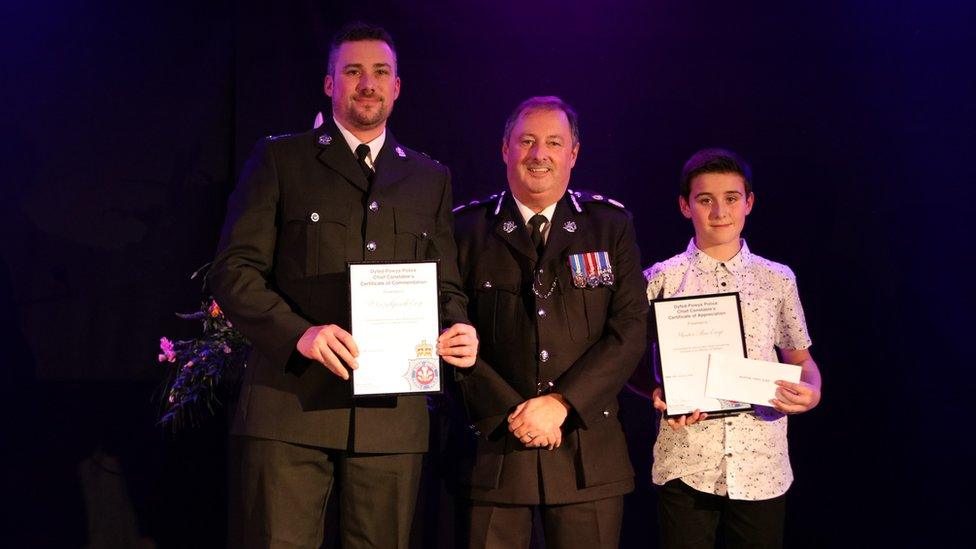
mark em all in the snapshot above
pixel 585 525
pixel 690 519
pixel 280 490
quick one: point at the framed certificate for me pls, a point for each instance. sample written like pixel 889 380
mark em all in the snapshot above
pixel 688 329
pixel 395 322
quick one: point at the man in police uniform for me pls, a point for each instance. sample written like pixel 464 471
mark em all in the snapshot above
pixel 305 205
pixel 556 292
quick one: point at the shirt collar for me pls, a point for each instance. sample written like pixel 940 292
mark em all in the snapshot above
pixel 708 263
pixel 374 146
pixel 527 212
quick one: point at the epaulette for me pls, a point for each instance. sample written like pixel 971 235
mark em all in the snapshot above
pixel 430 157
pixel 280 136
pixel 489 201
pixel 582 197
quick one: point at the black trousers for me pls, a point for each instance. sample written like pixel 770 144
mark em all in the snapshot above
pixel 586 525
pixel 279 493
pixel 690 519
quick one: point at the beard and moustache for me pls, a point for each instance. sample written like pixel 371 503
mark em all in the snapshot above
pixel 368 119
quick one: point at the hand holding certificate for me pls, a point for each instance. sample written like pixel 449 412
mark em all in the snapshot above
pixel 395 321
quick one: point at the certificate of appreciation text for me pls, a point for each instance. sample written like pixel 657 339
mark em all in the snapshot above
pixel 395 322
pixel 688 329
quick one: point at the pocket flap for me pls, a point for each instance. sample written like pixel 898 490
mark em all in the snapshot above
pixel 415 224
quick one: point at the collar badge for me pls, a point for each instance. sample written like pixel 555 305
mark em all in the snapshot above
pixel 508 226
pixel 570 226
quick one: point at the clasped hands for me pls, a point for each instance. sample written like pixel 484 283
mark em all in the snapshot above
pixel 335 348
pixel 537 422
pixel 791 398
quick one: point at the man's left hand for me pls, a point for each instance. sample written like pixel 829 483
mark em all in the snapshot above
pixel 538 415
pixel 795 398
pixel 458 345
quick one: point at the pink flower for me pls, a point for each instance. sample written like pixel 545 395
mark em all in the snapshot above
pixel 188 365
pixel 227 350
pixel 214 309
pixel 167 354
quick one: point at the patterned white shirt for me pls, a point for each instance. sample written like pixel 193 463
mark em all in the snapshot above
pixel 743 456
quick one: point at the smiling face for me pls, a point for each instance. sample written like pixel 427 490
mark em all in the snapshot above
pixel 539 155
pixel 717 206
pixel 363 86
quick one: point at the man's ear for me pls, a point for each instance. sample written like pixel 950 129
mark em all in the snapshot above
pixel 572 159
pixel 684 207
pixel 750 200
pixel 328 84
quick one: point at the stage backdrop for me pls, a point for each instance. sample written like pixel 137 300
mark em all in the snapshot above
pixel 124 126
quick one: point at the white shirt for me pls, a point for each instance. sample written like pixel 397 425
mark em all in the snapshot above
pixel 527 214
pixel 744 456
pixel 374 146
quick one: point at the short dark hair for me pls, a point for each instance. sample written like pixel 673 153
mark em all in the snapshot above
pixel 714 161
pixel 357 31
pixel 543 103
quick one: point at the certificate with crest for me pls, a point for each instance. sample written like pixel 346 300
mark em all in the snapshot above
pixel 688 330
pixel 395 322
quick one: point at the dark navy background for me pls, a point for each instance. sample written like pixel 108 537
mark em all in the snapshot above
pixel 123 126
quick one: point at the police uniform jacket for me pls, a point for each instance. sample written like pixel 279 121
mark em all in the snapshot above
pixel 580 342
pixel 301 210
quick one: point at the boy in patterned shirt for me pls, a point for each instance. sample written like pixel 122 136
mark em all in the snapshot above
pixel 731 472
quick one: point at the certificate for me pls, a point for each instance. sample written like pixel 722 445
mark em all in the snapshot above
pixel 746 380
pixel 688 329
pixel 395 322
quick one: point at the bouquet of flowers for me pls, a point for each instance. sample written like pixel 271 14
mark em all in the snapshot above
pixel 201 369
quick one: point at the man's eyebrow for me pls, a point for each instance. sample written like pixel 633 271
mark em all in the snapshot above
pixel 703 194
pixel 733 192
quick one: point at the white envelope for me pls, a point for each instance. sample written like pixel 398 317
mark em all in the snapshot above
pixel 746 380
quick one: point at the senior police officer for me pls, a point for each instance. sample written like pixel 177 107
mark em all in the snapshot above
pixel 554 282
pixel 305 205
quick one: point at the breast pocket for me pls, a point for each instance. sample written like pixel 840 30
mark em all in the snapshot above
pixel 413 234
pixel 313 239
pixel 500 310
pixel 585 308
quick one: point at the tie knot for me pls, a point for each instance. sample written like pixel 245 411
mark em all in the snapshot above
pixel 537 221
pixel 362 151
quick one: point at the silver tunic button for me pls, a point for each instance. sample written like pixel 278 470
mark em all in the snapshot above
pixel 373 206
pixel 314 217
pixel 371 246
pixel 542 312
pixel 543 355
pixel 423 235
pixel 487 285
pixel 606 413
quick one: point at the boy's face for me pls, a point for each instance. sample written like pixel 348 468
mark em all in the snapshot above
pixel 717 207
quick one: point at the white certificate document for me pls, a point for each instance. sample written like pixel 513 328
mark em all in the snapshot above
pixel 688 329
pixel 395 322
pixel 746 380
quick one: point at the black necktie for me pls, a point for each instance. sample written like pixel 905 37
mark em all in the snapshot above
pixel 362 151
pixel 535 223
